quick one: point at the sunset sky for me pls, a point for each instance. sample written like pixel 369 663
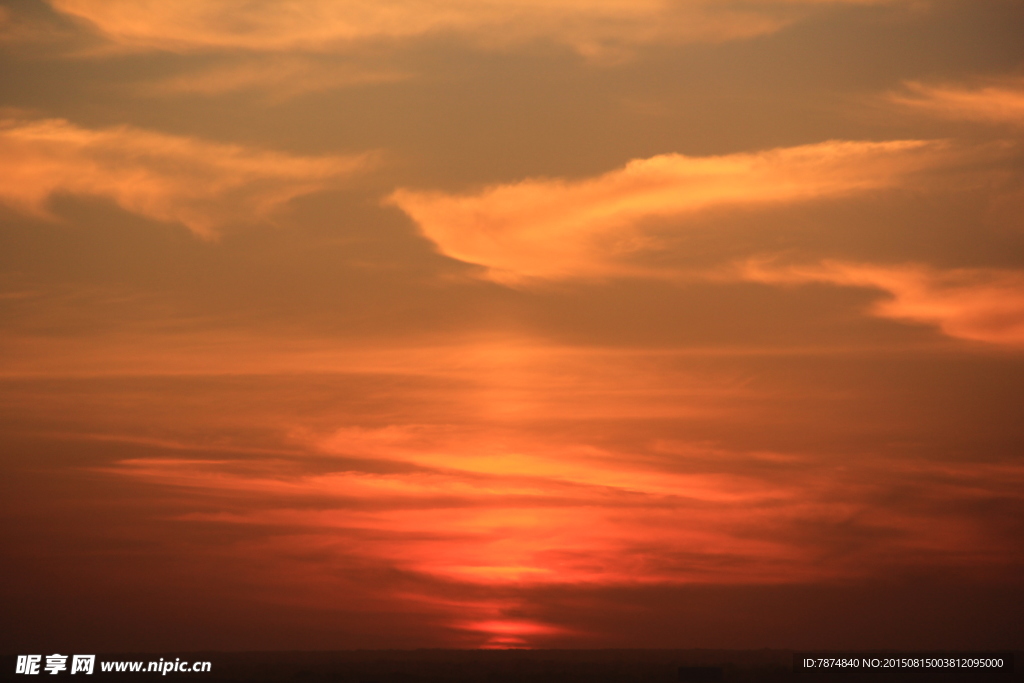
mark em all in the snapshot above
pixel 332 324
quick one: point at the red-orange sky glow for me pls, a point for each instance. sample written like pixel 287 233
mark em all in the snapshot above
pixel 512 324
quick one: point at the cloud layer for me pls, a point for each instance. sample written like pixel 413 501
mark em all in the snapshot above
pixel 590 27
pixel 204 185
pixel 281 77
pixel 999 103
pixel 487 513
pixel 967 303
pixel 555 229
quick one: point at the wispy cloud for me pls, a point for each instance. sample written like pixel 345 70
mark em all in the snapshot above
pixel 998 103
pixel 585 516
pixel 204 185
pixel 553 228
pixel 280 77
pixel 967 303
pixel 590 27
pixel 19 29
pixel 475 483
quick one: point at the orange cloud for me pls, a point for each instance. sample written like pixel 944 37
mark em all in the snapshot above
pixel 204 185
pixel 993 104
pixel 512 528
pixel 457 482
pixel 553 229
pixel 18 30
pixel 967 303
pixel 591 27
pixel 283 77
pixel 616 518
